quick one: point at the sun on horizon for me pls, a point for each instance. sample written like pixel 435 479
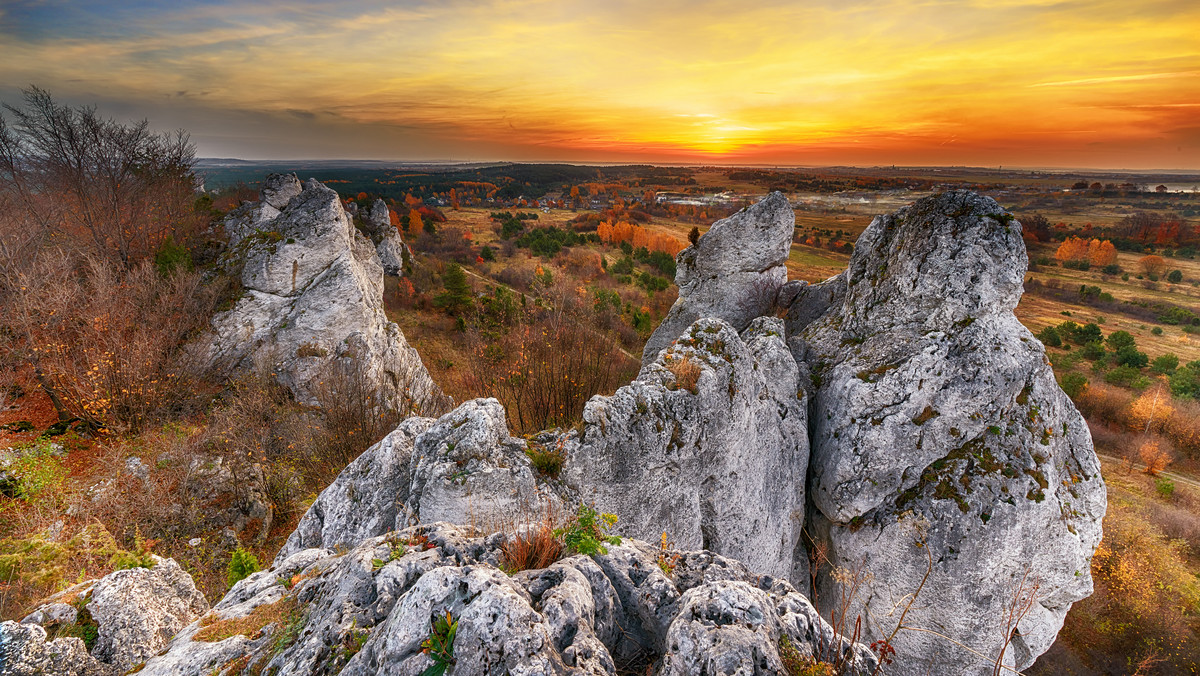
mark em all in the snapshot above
pixel 987 82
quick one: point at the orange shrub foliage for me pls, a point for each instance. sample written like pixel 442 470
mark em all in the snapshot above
pixel 1153 265
pixel 415 224
pixel 638 237
pixel 1101 253
pixel 1154 456
pixel 1072 249
pixel 1151 411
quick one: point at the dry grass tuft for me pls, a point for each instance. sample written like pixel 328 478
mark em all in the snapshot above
pixel 687 373
pixel 277 613
pixel 532 544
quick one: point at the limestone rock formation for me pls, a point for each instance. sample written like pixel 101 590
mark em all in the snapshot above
pixel 462 468
pixel 386 238
pixel 139 609
pixel 368 610
pixel 313 303
pixel 134 613
pixel 937 421
pixel 732 273
pixel 25 651
pixel 716 460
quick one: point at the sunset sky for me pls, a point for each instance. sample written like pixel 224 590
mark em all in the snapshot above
pixel 1034 83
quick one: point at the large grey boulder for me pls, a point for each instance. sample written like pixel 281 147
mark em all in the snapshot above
pixel 942 443
pixel 367 610
pixel 138 610
pixel 312 310
pixel 718 463
pixel 366 499
pixel 461 468
pixel 732 273
pixel 134 612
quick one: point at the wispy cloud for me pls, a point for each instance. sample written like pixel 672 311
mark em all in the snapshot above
pixel 1118 78
pixel 569 78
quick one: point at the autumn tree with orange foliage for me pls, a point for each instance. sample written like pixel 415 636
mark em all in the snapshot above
pixel 415 224
pixel 638 237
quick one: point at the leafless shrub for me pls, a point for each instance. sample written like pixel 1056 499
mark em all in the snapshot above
pixel 546 366
pixel 106 342
pixel 119 188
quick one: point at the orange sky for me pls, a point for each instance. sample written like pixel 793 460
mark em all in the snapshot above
pixel 984 82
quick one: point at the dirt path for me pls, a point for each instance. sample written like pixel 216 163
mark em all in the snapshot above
pixel 1174 476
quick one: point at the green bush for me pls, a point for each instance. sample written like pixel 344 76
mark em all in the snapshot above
pixel 241 564
pixel 1157 331
pixel 588 532
pixel 1093 350
pixel 1130 356
pixel 171 257
pixel 1125 376
pixel 1185 381
pixel 1119 339
pixel 1073 384
pixel 1165 487
pixel 1175 277
pixel 1166 363
pixel 1049 337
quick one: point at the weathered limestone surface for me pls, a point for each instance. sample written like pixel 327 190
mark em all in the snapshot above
pixel 24 651
pixel 368 610
pixel 386 238
pixel 134 612
pixel 721 466
pixel 313 303
pixel 461 468
pixel 732 273
pixel 937 420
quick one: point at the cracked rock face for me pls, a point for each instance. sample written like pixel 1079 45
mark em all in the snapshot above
pixel 718 464
pixel 24 651
pixel 938 421
pixel 313 303
pixel 368 610
pixel 732 273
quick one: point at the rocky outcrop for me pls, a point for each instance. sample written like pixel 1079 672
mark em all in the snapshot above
pixel 942 444
pixel 25 651
pixel 461 468
pixel 732 273
pixel 367 611
pixel 312 310
pixel 131 614
pixel 391 249
pixel 709 445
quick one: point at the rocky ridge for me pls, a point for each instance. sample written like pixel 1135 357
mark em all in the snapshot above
pixel 899 429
